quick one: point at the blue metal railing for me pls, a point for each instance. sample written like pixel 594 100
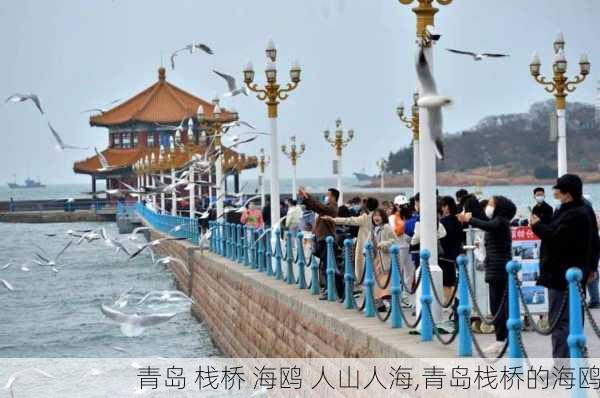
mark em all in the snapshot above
pixel 175 226
pixel 267 251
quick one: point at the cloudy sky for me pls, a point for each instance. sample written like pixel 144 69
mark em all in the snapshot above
pixel 357 58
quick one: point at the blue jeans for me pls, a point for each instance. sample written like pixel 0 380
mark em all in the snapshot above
pixel 592 288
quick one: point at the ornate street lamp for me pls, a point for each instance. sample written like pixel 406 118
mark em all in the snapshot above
pixel 294 154
pixel 560 86
pixel 272 93
pixel 412 123
pixel 339 142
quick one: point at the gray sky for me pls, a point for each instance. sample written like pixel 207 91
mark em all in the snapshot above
pixel 357 58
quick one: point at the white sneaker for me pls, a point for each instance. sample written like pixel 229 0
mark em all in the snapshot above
pixel 494 348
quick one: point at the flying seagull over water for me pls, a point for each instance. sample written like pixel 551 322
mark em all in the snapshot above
pixel 51 262
pixel 192 48
pixel 150 244
pixel 7 285
pixel 60 144
pixel 232 85
pixel 134 325
pixel 477 56
pixel 17 375
pixel 432 102
pixel 24 97
pixel 168 260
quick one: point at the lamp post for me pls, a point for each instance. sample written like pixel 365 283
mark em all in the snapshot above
pixel 136 171
pixel 339 142
pixel 174 192
pixel 262 163
pixel 293 154
pixel 413 124
pixel 161 162
pixel 560 86
pixel 425 13
pixel 381 167
pixel 272 93
pixel 153 167
pixel 214 126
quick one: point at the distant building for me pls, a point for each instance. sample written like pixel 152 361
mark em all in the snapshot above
pixel 139 126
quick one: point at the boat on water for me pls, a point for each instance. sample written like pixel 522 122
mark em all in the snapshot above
pixel 362 176
pixel 29 183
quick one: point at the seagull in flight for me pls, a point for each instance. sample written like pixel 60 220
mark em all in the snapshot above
pixel 7 285
pixel 24 97
pixel 431 101
pixel 192 48
pixel 103 162
pixel 477 56
pixel 134 325
pixel 17 375
pixel 46 262
pixel 232 85
pixel 150 244
pixel 60 144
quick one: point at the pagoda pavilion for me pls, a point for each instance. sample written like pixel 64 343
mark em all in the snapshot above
pixel 143 125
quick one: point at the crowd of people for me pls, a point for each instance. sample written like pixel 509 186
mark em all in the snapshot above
pixel 568 235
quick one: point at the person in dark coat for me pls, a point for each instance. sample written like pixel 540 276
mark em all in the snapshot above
pixel 451 245
pixel 541 209
pixel 266 213
pixel 322 229
pixel 592 286
pixel 567 241
pixel 498 246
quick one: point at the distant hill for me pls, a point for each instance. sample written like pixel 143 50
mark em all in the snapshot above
pixel 518 145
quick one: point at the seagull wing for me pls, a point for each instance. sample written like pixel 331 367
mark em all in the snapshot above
pixel 424 75
pixel 12 378
pixel 37 103
pixel 138 251
pixel 204 48
pixel 115 315
pixel 154 319
pixel 7 285
pixel 494 55
pixel 173 59
pixel 63 250
pixel 435 129
pixel 229 79
pixel 102 159
pixel 138 229
pixel 461 52
pixel 247 124
pixel 56 136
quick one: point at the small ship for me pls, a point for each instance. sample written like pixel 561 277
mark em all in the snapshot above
pixel 29 183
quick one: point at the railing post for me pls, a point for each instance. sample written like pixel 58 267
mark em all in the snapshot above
pixel 211 245
pixel 289 278
pixel 465 343
pixel 278 271
pixel 229 241
pixel 426 298
pixel 396 289
pixel 514 323
pixel 331 291
pixel 369 281
pixel 301 260
pixel 251 249
pixel 261 250
pixel 268 253
pixel 314 271
pixel 238 233
pixel 348 275
pixel 576 339
pixel 246 245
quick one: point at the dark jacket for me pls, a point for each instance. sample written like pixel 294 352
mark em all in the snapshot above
pixel 266 214
pixel 451 243
pixel 470 204
pixel 322 228
pixel 544 212
pixel 567 242
pixel 595 243
pixel 498 239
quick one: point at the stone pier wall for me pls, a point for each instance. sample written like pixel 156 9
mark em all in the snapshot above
pixel 252 315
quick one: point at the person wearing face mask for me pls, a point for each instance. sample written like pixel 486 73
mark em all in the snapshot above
pixel 498 247
pixel 541 209
pixel 566 241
